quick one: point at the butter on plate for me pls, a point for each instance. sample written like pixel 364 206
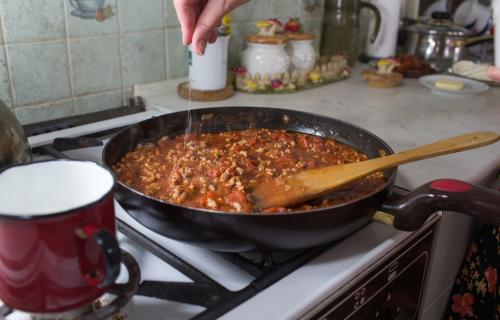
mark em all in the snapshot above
pixel 450 84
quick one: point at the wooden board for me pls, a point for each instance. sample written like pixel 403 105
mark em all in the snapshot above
pixel 202 95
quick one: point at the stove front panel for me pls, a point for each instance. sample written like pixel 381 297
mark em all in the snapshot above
pixel 392 290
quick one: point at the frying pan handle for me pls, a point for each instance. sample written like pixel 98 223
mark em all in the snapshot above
pixel 412 210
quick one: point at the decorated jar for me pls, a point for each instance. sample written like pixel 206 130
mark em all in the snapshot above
pixel 265 54
pixel 301 51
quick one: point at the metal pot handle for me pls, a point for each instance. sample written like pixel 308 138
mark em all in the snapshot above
pixel 412 210
pixel 477 40
pixel 378 19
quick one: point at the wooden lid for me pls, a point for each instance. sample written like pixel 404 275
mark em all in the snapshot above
pixel 300 36
pixel 261 39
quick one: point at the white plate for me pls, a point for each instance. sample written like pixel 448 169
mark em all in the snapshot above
pixel 470 86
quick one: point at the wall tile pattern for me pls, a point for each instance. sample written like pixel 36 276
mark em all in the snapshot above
pixel 67 57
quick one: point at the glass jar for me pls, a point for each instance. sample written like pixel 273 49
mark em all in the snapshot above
pixel 301 51
pixel 265 55
pixel 341 28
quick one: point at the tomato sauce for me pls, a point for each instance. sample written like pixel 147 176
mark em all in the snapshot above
pixel 218 170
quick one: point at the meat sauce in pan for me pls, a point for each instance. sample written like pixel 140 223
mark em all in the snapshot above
pixel 217 170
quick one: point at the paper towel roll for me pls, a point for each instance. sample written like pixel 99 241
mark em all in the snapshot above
pixel 496 19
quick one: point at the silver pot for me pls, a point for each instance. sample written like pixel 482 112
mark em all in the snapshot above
pixel 14 147
pixel 439 42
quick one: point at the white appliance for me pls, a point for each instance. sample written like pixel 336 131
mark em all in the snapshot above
pixel 496 17
pixel 385 44
pixel 377 271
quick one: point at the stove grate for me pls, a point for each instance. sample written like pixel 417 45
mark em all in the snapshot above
pixel 206 292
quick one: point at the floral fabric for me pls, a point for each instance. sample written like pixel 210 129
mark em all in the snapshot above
pixel 476 293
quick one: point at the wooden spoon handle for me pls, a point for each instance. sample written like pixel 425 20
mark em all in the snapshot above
pixel 451 145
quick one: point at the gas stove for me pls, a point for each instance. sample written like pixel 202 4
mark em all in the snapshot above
pixel 376 272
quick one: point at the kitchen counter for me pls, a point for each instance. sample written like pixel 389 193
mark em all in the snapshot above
pixel 404 117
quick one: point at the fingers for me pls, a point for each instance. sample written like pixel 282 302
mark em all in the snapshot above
pixel 186 12
pixel 209 19
pixel 494 73
pixel 213 37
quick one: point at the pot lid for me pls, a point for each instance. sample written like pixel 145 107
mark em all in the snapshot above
pixel 440 24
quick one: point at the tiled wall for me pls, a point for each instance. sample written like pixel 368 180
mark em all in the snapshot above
pixel 62 57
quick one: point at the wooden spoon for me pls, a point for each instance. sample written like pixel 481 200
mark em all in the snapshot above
pixel 312 183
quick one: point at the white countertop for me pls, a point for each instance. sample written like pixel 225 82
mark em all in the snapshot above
pixel 404 117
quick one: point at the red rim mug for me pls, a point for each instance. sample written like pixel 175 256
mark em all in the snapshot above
pixel 58 247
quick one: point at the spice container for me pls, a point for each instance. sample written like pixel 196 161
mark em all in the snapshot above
pixel 209 71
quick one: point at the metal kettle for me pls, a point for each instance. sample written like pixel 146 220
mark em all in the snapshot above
pixel 14 147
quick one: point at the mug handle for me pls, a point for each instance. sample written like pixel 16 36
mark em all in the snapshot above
pixel 110 251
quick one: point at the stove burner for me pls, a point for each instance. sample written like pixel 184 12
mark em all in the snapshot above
pixel 72 314
pixel 123 291
pixel 95 311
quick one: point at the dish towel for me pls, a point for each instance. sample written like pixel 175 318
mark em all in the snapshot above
pixel 476 293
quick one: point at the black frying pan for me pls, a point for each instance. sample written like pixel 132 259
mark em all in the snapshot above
pixel 240 232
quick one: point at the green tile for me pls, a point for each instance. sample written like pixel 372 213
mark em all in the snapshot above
pixel 253 10
pixel 285 9
pixel 141 15
pixel 129 93
pixel 39 72
pixel 82 24
pixel 1 33
pixel 96 64
pixel 33 20
pixel 44 112
pixel 316 8
pixel 177 54
pixel 4 80
pixel 98 102
pixel 143 57
pixel 171 19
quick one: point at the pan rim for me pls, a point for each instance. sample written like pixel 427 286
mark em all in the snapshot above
pixel 192 210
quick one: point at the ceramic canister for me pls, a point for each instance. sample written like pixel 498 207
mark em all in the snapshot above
pixel 265 54
pixel 301 51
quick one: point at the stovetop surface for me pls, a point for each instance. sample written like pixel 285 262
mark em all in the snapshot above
pixel 331 271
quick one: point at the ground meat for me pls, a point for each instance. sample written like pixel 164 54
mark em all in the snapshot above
pixel 217 171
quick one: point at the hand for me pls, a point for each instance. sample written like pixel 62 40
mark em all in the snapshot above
pixel 199 18
pixel 494 73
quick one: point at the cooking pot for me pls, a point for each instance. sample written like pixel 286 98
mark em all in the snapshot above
pixel 240 232
pixel 14 147
pixel 439 42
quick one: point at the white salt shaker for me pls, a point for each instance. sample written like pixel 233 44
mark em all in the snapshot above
pixel 301 51
pixel 209 71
